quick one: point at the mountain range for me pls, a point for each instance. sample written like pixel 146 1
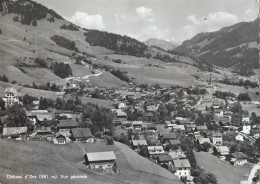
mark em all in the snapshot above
pixel 161 44
pixel 235 46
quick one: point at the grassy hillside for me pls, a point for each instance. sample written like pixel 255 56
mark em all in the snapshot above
pixel 68 160
pixel 235 45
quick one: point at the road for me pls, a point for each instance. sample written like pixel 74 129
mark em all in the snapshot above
pixel 252 174
pixel 79 78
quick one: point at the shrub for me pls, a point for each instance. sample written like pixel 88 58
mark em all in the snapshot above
pixel 64 42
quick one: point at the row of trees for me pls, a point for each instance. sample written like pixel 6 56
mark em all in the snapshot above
pixel 4 78
pixel 121 75
pixel 48 86
pixel 64 42
pixel 241 82
pixel 69 27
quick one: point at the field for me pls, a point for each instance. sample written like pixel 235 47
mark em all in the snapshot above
pixel 224 172
pixel 133 167
pixel 34 158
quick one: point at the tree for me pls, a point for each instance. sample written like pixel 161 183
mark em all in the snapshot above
pixel 144 151
pixel 110 141
pixel 43 104
pixel 2 104
pixel 34 23
pixel 17 117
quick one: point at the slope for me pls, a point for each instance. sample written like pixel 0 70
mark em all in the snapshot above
pixel 236 46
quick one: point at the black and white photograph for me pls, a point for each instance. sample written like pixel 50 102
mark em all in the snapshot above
pixel 129 92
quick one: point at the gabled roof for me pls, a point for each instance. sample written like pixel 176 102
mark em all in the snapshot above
pixel 223 150
pixel 174 142
pixel 14 130
pixel 67 123
pixel 239 155
pixel 81 133
pixel 139 142
pixel 164 158
pixel 169 136
pixel 101 156
pixel 180 163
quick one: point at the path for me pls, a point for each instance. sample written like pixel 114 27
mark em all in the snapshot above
pixel 252 174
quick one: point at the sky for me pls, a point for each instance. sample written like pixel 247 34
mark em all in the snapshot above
pixel 169 20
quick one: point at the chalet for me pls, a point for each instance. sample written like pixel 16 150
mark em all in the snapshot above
pixel 182 167
pixel 153 108
pixel 246 128
pixel 177 154
pixel 36 104
pixel 100 160
pixel 15 132
pixel 218 112
pixel 59 138
pixel 137 143
pixel 148 116
pixel 155 151
pixel 44 117
pixel 119 113
pixel 221 150
pixel 166 137
pixel 175 142
pixel 137 125
pixel 82 134
pixel 202 140
pixel 191 127
pixel 66 125
pixel 164 159
pixel 256 133
pixel 44 131
pixel 238 158
pixel 201 128
pixel 151 128
pixel 217 138
pixel 60 94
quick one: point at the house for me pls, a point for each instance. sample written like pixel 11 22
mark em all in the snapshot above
pixel 59 138
pixel 238 158
pixel 218 112
pixel 201 128
pixel 36 104
pixel 44 131
pixel 60 94
pixel 121 105
pixel 100 160
pixel 217 139
pixel 221 150
pixel 10 97
pixel 44 117
pixel 119 113
pixel 166 137
pixel 256 133
pixel 137 143
pixel 239 137
pixel 152 108
pixel 67 125
pixel 137 125
pixel 175 142
pixel 202 140
pixel 155 151
pixel 246 128
pixel 82 134
pixel 151 128
pixel 177 154
pixel 15 132
pixel 182 167
pixel 164 159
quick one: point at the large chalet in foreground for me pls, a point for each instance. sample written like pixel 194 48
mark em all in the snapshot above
pixel 100 160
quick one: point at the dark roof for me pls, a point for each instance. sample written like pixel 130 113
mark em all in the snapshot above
pixel 174 142
pixel 164 158
pixel 81 133
pixel 67 123
pixel 239 155
pixel 169 136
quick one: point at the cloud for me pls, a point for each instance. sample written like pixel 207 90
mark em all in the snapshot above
pixel 211 22
pixel 88 21
pixel 144 12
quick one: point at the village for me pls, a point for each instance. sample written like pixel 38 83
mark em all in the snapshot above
pixel 165 125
